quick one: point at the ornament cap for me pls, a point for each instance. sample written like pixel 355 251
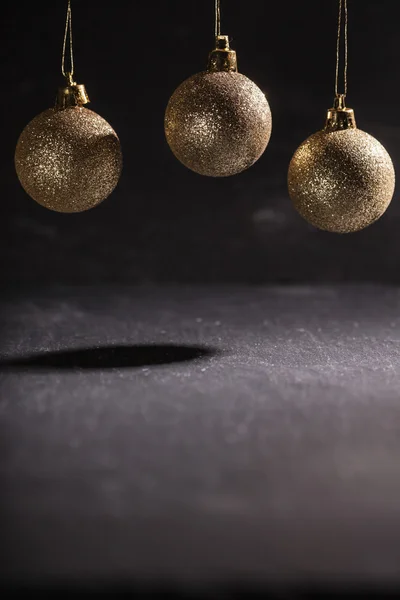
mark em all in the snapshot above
pixel 340 117
pixel 222 58
pixel 74 94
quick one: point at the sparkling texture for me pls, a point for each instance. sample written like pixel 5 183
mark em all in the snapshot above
pixel 68 160
pixel 218 124
pixel 341 181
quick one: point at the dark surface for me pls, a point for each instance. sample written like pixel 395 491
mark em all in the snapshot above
pixel 164 223
pixel 236 435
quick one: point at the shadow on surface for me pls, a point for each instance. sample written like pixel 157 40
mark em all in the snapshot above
pixel 111 357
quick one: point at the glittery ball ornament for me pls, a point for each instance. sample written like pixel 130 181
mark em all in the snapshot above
pixel 341 179
pixel 218 122
pixel 69 158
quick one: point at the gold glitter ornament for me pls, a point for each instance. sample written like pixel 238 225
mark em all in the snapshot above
pixel 218 122
pixel 68 159
pixel 341 179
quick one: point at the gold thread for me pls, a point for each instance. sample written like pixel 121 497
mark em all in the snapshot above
pixel 68 28
pixel 217 18
pixel 342 7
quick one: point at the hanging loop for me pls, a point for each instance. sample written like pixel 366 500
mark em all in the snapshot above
pixel 73 94
pixel 343 8
pixel 217 18
pixel 68 73
pixel 222 58
pixel 340 117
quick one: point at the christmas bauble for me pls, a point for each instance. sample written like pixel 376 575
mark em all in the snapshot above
pixel 218 123
pixel 341 180
pixel 68 160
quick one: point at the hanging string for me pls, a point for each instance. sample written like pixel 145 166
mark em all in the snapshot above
pixel 68 38
pixel 342 8
pixel 217 18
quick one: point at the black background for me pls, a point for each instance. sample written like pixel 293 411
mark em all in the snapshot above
pixel 165 223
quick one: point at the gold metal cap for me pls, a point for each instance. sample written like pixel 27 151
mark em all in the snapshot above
pixel 340 117
pixel 222 58
pixel 73 94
